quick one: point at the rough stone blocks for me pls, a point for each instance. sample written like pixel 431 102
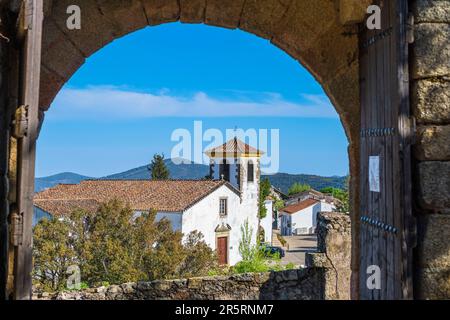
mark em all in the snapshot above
pixel 224 13
pixel 431 50
pixel 433 143
pixel 161 11
pixel 434 186
pixel 433 257
pixel 431 11
pixel 192 11
pixel 431 101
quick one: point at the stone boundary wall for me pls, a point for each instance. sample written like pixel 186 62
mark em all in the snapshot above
pixel 326 277
pixel 334 246
pixel 302 284
pixel 430 101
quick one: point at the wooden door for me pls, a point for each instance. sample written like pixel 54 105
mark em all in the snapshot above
pixel 222 250
pixel 386 225
pixel 30 33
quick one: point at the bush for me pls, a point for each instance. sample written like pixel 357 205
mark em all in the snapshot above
pixel 255 258
pixel 297 188
pixel 112 246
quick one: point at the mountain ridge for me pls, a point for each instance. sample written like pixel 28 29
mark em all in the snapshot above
pixel 192 170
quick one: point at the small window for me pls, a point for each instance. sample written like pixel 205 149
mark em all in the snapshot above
pixel 250 172
pixel 223 207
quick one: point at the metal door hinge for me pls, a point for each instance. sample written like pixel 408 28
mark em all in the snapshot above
pixel 16 228
pixel 21 122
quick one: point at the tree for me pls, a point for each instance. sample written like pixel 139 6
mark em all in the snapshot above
pixel 297 188
pixel 158 168
pixel 264 192
pixel 200 258
pixel 110 251
pixel 341 195
pixel 52 254
pixel 116 245
pixel 246 249
pixel 279 204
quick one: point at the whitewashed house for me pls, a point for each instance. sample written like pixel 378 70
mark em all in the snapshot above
pixel 301 217
pixel 217 208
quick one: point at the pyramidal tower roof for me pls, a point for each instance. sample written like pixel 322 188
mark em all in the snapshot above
pixel 234 148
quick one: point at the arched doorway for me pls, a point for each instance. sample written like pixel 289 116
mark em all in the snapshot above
pixel 328 49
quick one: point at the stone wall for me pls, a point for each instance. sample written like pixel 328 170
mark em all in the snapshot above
pixel 334 246
pixel 302 284
pixel 430 98
pixel 326 277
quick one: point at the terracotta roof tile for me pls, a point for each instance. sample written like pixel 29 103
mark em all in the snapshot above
pixel 233 147
pixel 299 206
pixel 167 195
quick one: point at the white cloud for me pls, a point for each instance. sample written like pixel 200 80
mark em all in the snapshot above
pixel 118 103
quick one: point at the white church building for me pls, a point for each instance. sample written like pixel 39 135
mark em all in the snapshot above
pixel 217 208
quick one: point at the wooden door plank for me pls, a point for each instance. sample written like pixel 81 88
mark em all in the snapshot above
pixel 27 145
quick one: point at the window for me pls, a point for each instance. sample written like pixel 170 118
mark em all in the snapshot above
pixel 223 207
pixel 250 172
pixel 224 171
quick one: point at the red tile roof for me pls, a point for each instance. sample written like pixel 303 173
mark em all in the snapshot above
pixel 166 195
pixel 233 147
pixel 293 208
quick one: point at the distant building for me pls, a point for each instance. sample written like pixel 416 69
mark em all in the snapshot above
pixel 217 208
pixel 301 217
pixel 312 194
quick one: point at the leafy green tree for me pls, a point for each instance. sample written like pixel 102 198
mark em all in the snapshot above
pixel 52 254
pixel 199 257
pixel 264 192
pixel 279 204
pixel 298 187
pixel 111 245
pixel 246 249
pixel 341 195
pixel 158 168
pixel 255 258
pixel 114 245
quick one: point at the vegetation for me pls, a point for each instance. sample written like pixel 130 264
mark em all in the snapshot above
pixel 279 204
pixel 254 257
pixel 264 192
pixel 158 168
pixel 114 246
pixel 298 187
pixel 282 240
pixel 341 195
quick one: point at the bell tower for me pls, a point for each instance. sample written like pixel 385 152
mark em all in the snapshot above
pixel 239 164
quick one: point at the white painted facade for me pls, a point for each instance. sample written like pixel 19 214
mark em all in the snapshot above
pixel 204 217
pixel 267 221
pixel 303 221
pixel 242 205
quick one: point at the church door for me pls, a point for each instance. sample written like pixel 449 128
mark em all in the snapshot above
pixel 222 252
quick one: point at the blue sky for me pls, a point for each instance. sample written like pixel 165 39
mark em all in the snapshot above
pixel 125 102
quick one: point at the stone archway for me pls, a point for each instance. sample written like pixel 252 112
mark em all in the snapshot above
pixel 320 35
pixel 313 33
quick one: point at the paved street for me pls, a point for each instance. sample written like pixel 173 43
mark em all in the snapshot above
pixel 298 246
